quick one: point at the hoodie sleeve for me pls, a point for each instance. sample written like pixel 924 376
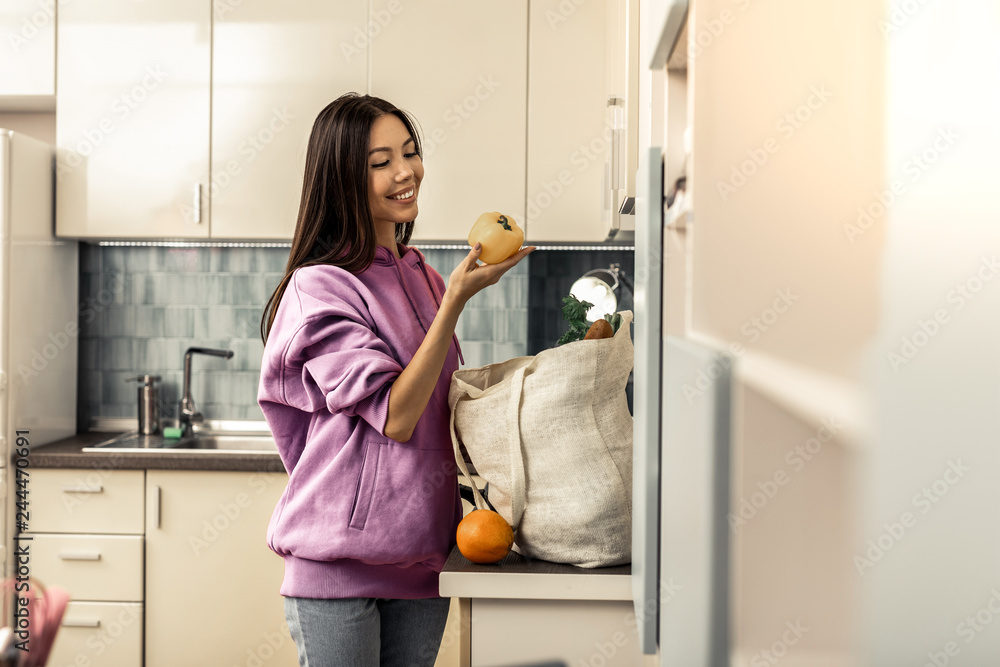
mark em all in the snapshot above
pixel 333 359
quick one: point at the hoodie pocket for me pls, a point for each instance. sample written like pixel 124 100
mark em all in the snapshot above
pixel 367 479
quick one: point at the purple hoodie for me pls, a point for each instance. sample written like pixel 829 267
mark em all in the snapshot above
pixel 362 515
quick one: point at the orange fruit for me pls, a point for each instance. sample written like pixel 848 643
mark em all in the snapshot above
pixel 484 536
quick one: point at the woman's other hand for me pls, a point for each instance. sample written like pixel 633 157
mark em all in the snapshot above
pixel 469 276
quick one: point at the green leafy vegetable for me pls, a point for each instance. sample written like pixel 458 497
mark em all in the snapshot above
pixel 574 312
pixel 615 321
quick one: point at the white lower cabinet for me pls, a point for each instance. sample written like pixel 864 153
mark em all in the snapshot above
pixel 86 538
pixel 568 632
pixel 99 633
pixel 91 567
pixel 164 567
pixel 87 500
pixel 502 619
pixel 211 581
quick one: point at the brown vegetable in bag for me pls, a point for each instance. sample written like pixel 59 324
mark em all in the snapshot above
pixel 600 329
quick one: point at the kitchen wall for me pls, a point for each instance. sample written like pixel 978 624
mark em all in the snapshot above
pixel 142 307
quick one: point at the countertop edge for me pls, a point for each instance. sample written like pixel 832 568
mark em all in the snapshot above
pixel 536 586
pixel 518 577
pixel 67 453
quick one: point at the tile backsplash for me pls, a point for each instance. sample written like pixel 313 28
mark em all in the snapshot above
pixel 143 306
pixel 552 274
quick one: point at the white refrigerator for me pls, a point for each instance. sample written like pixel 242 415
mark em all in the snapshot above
pixel 39 305
pixel 681 545
pixel 681 459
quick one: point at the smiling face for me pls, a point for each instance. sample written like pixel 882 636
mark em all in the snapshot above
pixel 394 172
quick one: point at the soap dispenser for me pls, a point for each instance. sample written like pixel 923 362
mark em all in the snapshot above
pixel 149 404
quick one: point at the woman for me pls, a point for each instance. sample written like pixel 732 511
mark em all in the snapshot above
pixel 359 352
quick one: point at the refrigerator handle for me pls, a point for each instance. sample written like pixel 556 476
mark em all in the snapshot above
pixel 647 426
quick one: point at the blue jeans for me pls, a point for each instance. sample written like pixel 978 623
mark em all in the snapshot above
pixel 366 632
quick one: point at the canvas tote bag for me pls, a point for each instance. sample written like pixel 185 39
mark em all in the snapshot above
pixel 552 435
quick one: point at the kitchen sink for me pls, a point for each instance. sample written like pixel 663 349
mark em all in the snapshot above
pixel 229 443
pixel 254 441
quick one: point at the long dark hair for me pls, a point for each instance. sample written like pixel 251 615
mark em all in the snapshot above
pixel 335 224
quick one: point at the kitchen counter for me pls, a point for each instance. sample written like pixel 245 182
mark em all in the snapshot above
pixel 66 453
pixel 517 577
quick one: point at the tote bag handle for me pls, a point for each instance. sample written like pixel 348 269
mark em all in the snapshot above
pixel 517 475
pixel 518 483
pixel 460 461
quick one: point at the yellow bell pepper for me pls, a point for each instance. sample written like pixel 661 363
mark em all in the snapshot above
pixel 499 234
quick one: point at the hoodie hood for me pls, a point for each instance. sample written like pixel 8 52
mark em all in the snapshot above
pixel 415 260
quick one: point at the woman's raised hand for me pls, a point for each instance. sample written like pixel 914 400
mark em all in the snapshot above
pixel 469 276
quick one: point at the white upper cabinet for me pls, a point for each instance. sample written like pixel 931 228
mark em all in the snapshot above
pixel 28 63
pixel 133 116
pixel 275 65
pixel 577 92
pixel 567 142
pixel 189 119
pixel 459 66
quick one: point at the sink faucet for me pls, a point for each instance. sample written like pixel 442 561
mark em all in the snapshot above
pixel 188 415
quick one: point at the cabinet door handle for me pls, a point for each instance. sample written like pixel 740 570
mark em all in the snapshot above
pixel 156 506
pixel 616 109
pixel 197 203
pixel 80 555
pixel 615 160
pixel 81 488
pixel 81 623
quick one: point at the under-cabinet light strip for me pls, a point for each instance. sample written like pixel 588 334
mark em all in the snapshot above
pixel 195 244
pixel 457 246
pixel 251 244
